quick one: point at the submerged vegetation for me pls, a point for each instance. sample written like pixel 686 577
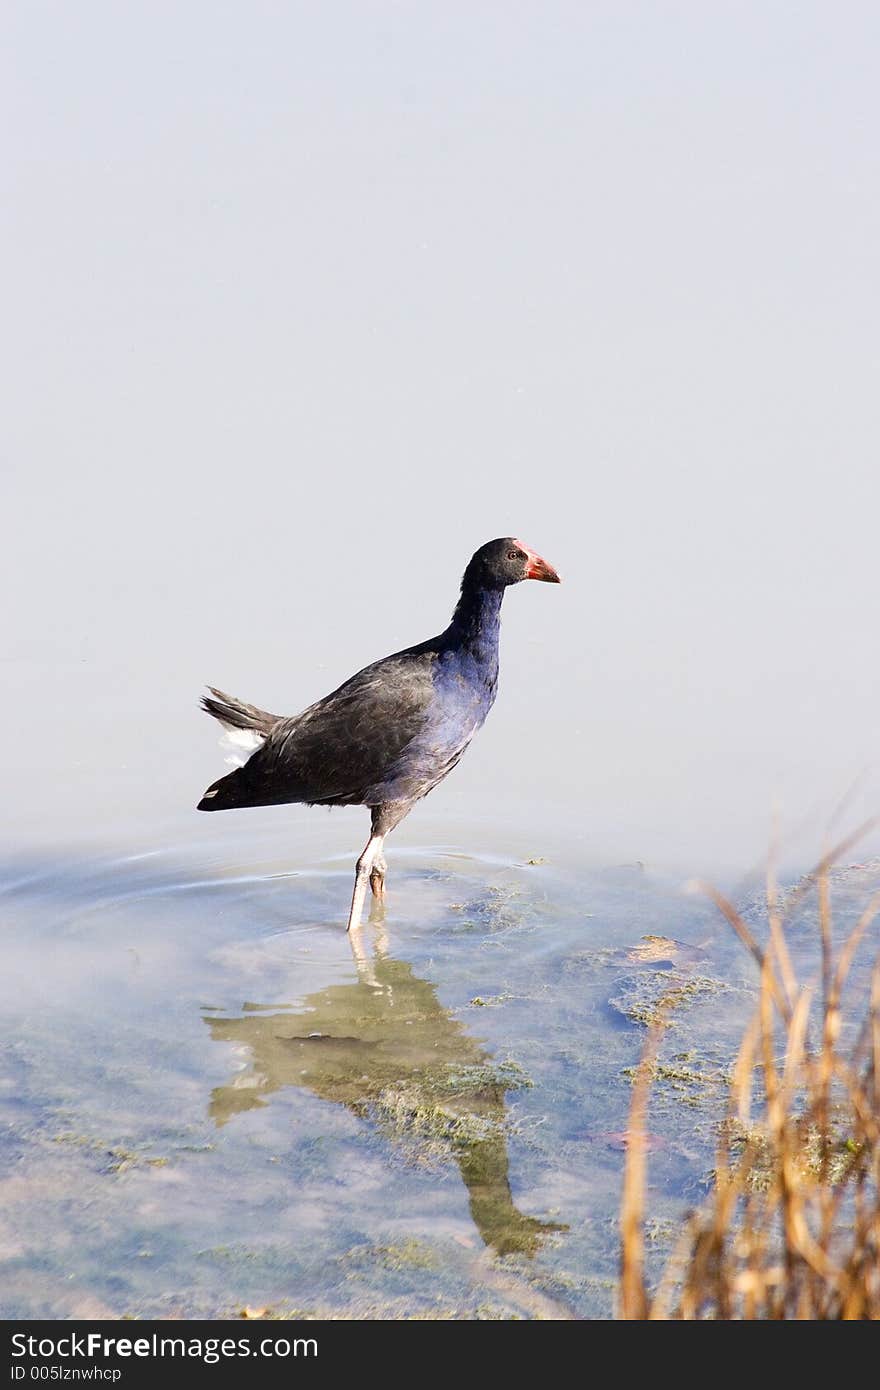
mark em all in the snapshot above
pixel 791 1225
pixel 652 996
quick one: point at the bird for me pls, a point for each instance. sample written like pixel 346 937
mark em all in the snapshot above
pixel 390 733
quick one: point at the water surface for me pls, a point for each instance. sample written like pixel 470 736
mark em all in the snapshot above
pixel 211 1101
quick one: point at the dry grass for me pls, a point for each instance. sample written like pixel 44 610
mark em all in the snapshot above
pixel 791 1228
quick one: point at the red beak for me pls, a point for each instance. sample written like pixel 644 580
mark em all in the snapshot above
pixel 539 569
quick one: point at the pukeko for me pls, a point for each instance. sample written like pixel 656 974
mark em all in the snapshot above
pixel 387 736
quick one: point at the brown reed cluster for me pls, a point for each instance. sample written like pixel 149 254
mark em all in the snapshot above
pixel 791 1227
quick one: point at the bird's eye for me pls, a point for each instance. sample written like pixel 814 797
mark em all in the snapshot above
pixel 514 555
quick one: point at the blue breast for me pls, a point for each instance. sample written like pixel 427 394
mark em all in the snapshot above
pixel 465 681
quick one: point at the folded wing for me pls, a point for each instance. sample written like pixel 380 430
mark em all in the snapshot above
pixel 346 749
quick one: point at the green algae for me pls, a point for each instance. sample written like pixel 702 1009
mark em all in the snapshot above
pixel 654 997
pixel 406 1254
pixel 686 1078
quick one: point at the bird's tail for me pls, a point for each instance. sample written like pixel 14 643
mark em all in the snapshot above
pixel 235 714
pixel 225 794
pixel 245 728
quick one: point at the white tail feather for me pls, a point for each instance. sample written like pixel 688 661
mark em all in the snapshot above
pixel 239 744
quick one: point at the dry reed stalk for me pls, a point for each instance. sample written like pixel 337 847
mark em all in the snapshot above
pixel 791 1228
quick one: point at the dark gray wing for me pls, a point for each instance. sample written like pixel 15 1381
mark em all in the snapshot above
pixel 346 745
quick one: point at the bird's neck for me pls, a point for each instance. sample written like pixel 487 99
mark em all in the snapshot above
pixel 476 622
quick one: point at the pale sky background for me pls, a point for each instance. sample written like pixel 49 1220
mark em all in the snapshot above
pixel 303 302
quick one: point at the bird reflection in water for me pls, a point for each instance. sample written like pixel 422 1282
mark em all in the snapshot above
pixel 385 1048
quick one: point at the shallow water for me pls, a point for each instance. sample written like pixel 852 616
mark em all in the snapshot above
pixel 211 1101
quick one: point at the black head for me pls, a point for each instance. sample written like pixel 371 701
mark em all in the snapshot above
pixel 506 561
